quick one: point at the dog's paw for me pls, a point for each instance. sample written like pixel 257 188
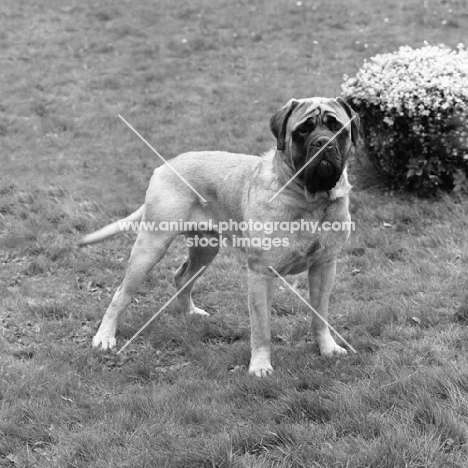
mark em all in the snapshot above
pixel 105 342
pixel 261 371
pixel 328 346
pixel 198 311
pixel 333 350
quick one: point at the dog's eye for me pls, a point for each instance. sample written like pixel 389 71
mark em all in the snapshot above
pixel 333 124
pixel 306 127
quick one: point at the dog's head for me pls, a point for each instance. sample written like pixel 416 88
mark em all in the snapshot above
pixel 310 133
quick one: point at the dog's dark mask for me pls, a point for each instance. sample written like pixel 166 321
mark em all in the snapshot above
pixel 304 128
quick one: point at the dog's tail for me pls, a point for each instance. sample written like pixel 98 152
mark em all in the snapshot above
pixel 112 229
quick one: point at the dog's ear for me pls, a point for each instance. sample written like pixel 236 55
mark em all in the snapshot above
pixel 279 121
pixel 355 124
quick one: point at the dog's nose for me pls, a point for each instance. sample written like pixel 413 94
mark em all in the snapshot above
pixel 321 141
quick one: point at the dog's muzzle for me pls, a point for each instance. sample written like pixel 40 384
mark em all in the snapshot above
pixel 324 171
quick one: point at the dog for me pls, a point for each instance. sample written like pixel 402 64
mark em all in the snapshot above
pixel 313 144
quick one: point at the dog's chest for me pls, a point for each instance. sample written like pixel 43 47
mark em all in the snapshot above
pixel 317 239
pixel 307 249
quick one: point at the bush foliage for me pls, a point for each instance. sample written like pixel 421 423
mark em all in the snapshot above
pixel 413 106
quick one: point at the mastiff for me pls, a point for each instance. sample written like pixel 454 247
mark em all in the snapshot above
pixel 302 181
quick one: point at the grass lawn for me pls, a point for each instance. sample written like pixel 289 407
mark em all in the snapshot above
pixel 192 75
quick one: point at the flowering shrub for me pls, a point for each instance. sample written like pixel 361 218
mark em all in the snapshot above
pixel 413 106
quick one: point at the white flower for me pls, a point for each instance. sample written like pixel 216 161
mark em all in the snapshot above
pixel 412 82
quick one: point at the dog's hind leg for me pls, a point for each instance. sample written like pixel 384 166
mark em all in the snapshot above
pixel 147 251
pixel 199 256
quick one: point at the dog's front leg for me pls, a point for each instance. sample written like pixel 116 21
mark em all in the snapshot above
pixel 321 279
pixel 261 287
